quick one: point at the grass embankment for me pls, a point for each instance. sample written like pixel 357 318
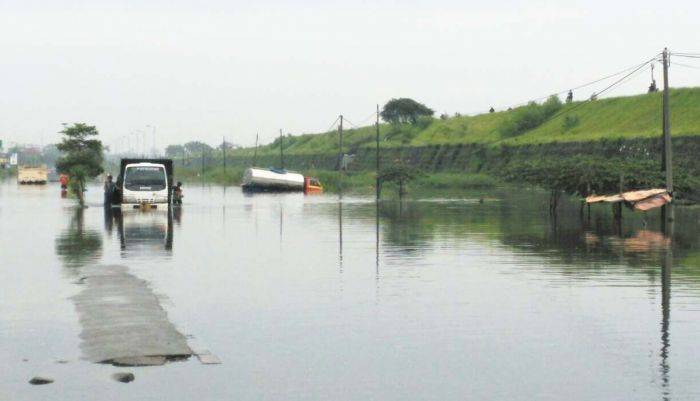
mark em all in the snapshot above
pixel 591 142
pixel 612 118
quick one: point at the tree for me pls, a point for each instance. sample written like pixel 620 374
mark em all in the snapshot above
pixel 173 151
pixel 197 147
pixel 404 110
pixel 82 156
pixel 400 174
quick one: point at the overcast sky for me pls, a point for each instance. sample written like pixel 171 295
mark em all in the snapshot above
pixel 203 70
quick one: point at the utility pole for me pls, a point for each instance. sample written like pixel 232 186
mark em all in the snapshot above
pixel 223 149
pixel 340 144
pixel 255 153
pixel 667 156
pixel 378 190
pixel 667 147
pixel 282 149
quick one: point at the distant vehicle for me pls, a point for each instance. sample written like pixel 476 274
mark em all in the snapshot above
pixel 32 175
pixel 312 185
pixel 142 183
pixel 260 179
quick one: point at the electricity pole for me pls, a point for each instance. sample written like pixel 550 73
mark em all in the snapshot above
pixel 667 148
pixel 223 149
pixel 667 155
pixel 377 168
pixel 255 154
pixel 282 149
pixel 340 144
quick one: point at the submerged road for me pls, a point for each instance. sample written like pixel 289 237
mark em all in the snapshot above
pixel 123 322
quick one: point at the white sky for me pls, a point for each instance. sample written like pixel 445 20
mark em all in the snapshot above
pixel 203 70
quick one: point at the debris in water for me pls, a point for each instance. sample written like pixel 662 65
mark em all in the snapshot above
pixel 207 358
pixel 124 377
pixel 62 361
pixel 38 380
pixel 639 200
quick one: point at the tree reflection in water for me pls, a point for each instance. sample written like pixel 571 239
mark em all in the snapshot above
pixel 77 246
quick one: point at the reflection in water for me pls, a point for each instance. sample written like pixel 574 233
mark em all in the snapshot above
pixel 76 246
pixel 463 287
pixel 666 267
pixel 376 237
pixel 142 232
pixel 340 233
pixel 564 242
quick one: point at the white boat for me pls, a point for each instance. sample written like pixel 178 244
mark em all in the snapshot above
pixel 272 180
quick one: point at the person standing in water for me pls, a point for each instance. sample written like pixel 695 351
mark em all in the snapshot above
pixel 177 194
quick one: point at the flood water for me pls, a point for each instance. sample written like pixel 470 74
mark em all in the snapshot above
pixel 316 298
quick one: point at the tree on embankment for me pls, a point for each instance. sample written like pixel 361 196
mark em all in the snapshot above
pixel 404 110
pixel 82 157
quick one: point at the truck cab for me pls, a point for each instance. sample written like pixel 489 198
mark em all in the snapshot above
pixel 145 183
pixel 142 182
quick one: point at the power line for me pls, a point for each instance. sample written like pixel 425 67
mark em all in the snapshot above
pixel 371 116
pixel 686 55
pixel 686 65
pixel 632 68
pixel 619 81
pixel 332 125
pixel 345 120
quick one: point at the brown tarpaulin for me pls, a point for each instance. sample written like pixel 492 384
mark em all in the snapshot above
pixel 640 200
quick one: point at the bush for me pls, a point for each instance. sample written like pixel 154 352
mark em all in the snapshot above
pixel 529 117
pixel 424 122
pixel 570 122
pixel 584 175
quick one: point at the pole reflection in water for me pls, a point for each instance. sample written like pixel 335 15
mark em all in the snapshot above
pixel 340 232
pixel 666 267
pixel 376 237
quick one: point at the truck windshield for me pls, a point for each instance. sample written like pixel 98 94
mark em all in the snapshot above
pixel 144 178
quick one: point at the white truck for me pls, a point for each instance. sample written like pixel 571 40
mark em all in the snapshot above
pixel 142 183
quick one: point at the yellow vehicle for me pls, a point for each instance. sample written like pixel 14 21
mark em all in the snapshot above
pixel 32 175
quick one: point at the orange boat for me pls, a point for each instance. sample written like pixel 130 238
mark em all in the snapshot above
pixel 312 185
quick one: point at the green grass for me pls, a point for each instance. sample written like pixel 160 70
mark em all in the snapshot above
pixel 611 118
pixel 352 181
pixel 456 181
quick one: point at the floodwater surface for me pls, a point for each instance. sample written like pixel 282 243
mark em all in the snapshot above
pixel 329 298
